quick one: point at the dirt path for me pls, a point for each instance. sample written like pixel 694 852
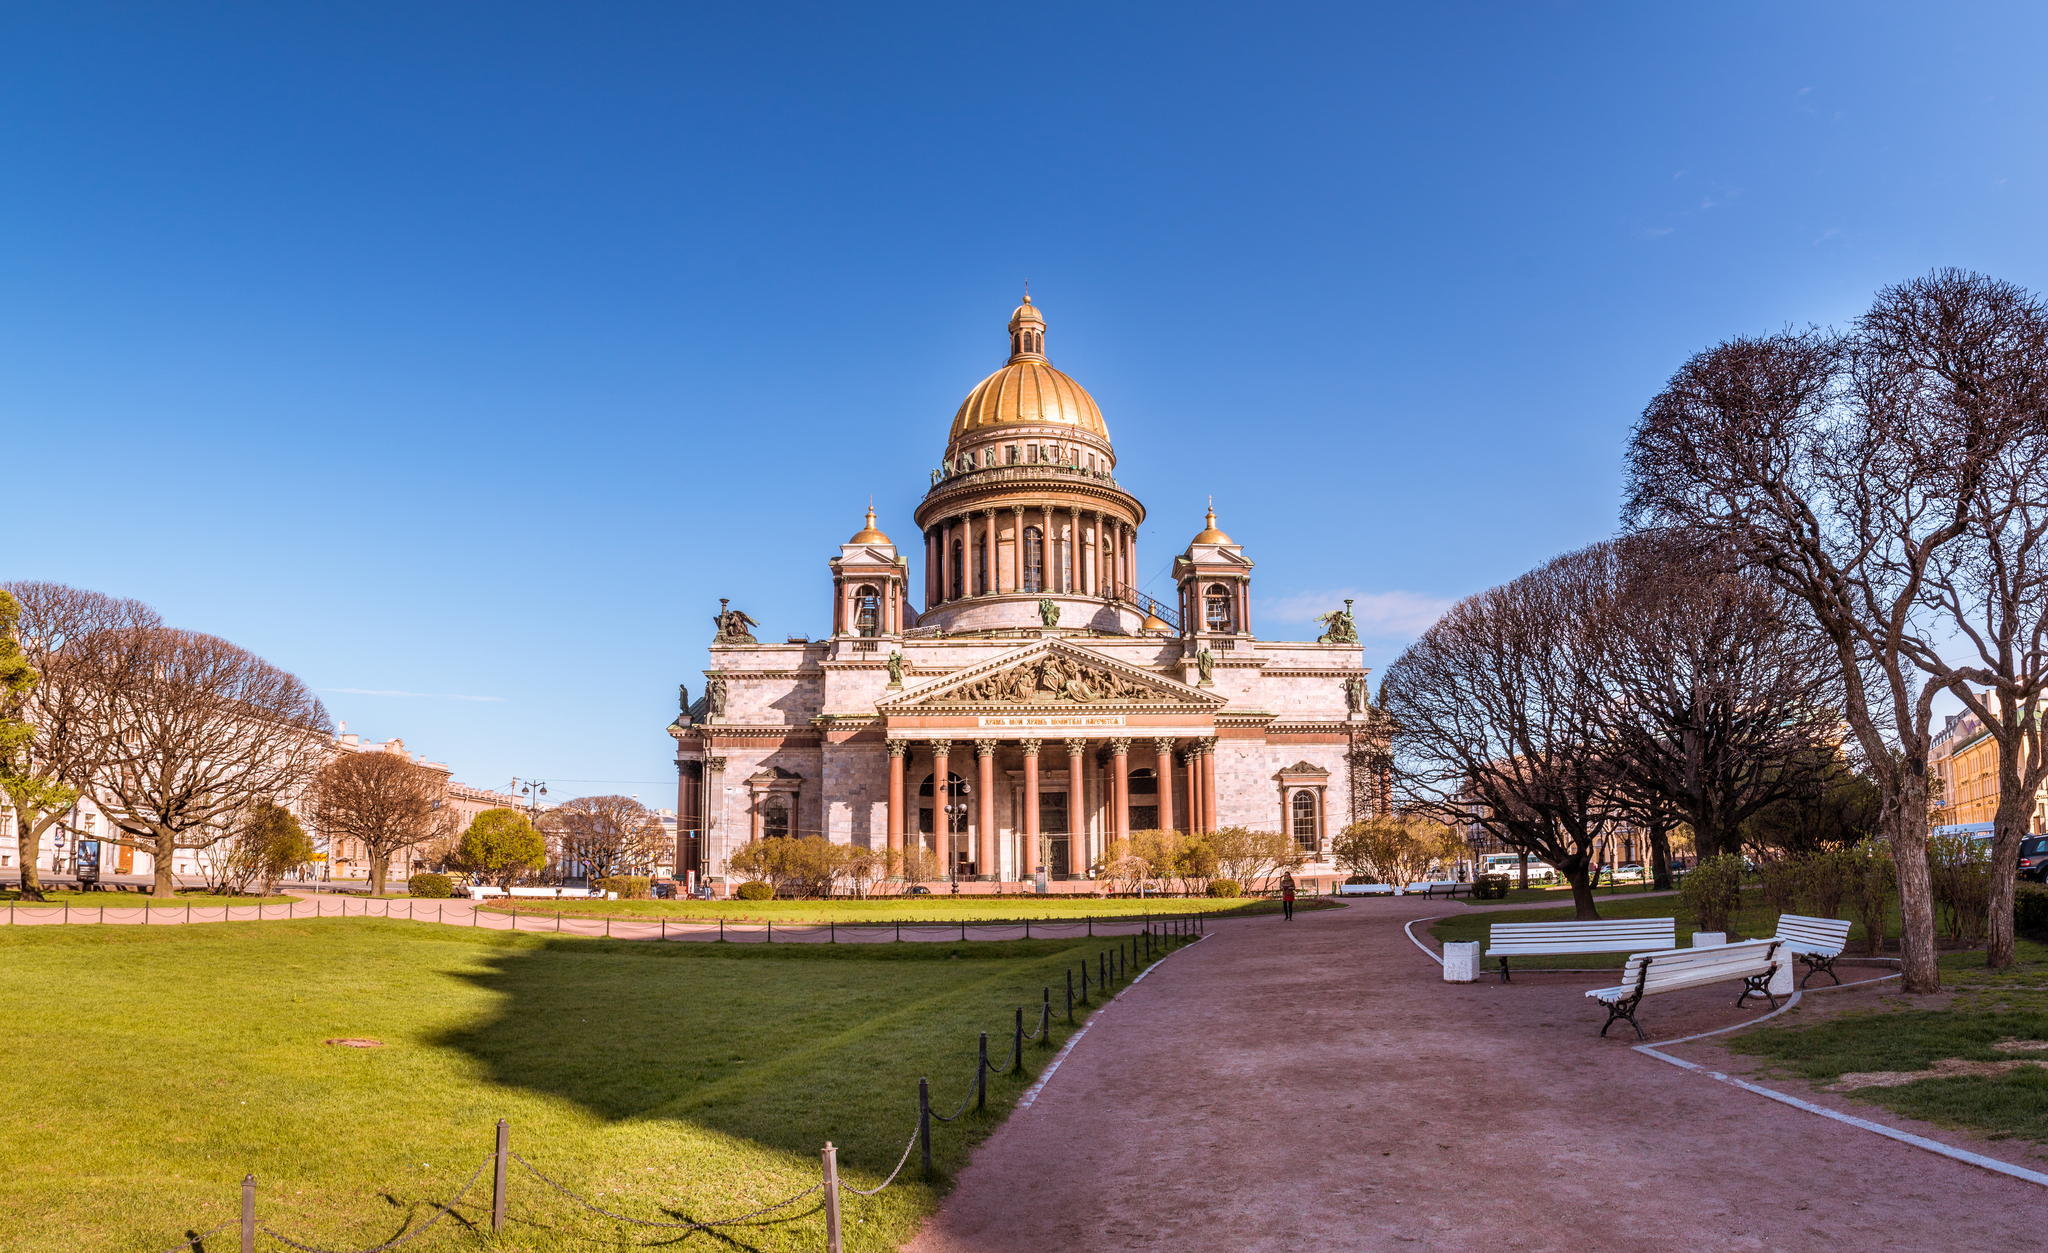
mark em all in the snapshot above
pixel 1315 1085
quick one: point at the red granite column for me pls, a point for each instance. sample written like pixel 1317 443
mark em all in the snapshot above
pixel 1031 862
pixel 942 797
pixel 1077 818
pixel 1164 765
pixel 1017 548
pixel 985 811
pixel 988 544
pixel 1120 787
pixel 1209 785
pixel 897 748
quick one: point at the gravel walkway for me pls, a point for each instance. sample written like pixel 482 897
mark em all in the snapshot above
pixel 1316 1085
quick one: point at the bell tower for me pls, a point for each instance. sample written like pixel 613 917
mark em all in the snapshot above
pixel 1215 580
pixel 870 584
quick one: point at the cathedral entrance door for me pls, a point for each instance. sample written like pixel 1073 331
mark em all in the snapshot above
pixel 1052 822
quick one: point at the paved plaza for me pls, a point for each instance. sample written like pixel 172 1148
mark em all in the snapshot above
pixel 1315 1085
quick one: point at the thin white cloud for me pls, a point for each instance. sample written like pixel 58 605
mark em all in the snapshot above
pixel 1380 615
pixel 385 691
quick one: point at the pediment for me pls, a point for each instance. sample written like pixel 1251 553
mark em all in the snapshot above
pixel 1052 674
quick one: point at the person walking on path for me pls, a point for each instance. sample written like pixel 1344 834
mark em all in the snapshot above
pixel 1287 896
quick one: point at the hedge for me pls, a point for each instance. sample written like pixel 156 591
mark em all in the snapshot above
pixel 430 885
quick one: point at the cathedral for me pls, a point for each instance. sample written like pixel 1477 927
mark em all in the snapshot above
pixel 1016 704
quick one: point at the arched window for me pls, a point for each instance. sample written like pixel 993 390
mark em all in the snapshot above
pixel 774 816
pixel 959 574
pixel 1217 609
pixel 867 610
pixel 1305 818
pixel 1034 559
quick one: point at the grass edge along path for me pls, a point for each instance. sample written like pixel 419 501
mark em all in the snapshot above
pixel 911 909
pixel 397 1154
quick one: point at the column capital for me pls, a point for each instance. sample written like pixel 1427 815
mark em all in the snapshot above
pixel 941 748
pixel 1017 509
pixel 1121 746
pixel 1031 747
pixel 898 748
pixel 1163 744
pixel 985 748
pixel 714 763
pixel 1077 746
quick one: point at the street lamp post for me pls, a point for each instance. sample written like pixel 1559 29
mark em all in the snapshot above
pixel 532 790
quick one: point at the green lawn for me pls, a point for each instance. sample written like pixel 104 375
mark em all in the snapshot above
pixel 135 900
pixel 933 908
pixel 1986 1009
pixel 152 1069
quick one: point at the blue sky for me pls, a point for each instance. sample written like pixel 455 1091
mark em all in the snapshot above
pixel 458 357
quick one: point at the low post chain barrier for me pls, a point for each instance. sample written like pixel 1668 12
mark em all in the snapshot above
pixel 1084 983
pixel 1070 996
pixel 924 1122
pixel 248 1214
pixel 981 1076
pixel 1045 1016
pixel 1017 1045
pixel 498 1178
pixel 771 931
pixel 831 1163
pixel 834 925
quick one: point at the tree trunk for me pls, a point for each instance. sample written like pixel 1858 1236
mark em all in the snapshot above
pixel 1579 874
pixel 380 871
pixel 1907 821
pixel 1523 860
pixel 28 843
pixel 162 850
pixel 1660 857
pixel 2009 826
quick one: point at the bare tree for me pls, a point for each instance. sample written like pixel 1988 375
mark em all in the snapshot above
pixel 1491 711
pixel 200 730
pixel 1974 352
pixel 606 834
pixel 1719 696
pixel 383 802
pixel 1827 462
pixel 43 773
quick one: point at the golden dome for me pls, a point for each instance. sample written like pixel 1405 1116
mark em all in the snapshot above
pixel 1210 535
pixel 869 534
pixel 1153 622
pixel 1028 390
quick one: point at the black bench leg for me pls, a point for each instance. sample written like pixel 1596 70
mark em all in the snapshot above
pixel 1818 965
pixel 1622 1011
pixel 1756 985
pixel 1503 970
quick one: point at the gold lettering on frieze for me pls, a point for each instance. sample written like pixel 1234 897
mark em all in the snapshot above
pixel 1025 722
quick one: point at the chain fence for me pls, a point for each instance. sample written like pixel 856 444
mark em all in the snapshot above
pixel 1120 962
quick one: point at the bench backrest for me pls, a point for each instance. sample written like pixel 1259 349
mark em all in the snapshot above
pixel 1802 934
pixel 1603 935
pixel 1675 968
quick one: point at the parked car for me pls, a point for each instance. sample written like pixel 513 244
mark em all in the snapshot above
pixel 2034 858
pixel 1630 872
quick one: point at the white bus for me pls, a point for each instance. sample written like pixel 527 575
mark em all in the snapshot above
pixel 1510 864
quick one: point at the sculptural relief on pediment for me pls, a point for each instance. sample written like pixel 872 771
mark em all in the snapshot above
pixel 1055 680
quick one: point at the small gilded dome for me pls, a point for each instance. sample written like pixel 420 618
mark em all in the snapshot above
pixel 1153 622
pixel 1210 535
pixel 1028 391
pixel 870 534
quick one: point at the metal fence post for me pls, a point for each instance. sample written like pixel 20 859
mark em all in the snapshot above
pixel 1027 928
pixel 1017 1045
pixel 981 1075
pixel 963 925
pixel 248 1214
pixel 1091 926
pixel 924 1122
pixel 833 925
pixel 1070 996
pixel 1045 1017
pixel 721 928
pixel 831 1160
pixel 1084 983
pixel 498 1178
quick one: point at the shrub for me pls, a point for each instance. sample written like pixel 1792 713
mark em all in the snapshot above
pixel 1960 870
pixel 431 885
pixel 2030 911
pixel 1225 887
pixel 1712 891
pixel 755 890
pixel 1873 884
pixel 629 887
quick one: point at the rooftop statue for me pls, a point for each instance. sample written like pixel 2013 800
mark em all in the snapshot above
pixel 1340 626
pixel 732 625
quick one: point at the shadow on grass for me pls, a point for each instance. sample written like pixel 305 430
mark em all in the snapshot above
pixel 786 1047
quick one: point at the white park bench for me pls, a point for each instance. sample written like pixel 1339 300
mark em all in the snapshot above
pixel 1817 942
pixel 1669 970
pixel 1562 939
pixel 1365 889
pixel 1437 887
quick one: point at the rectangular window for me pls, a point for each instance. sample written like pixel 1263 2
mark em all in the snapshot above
pixel 1052 812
